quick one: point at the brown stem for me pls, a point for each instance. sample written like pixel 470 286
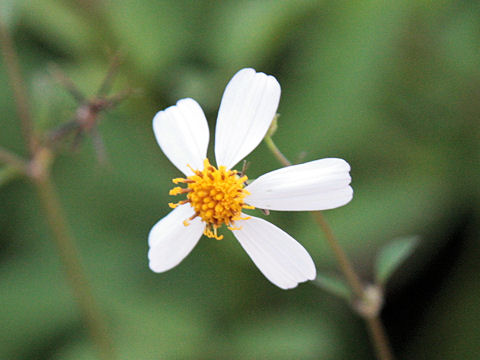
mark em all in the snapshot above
pixel 372 319
pixel 73 269
pixel 18 87
pixel 375 327
pixel 342 259
pixel 13 160
pixel 379 338
pixel 38 170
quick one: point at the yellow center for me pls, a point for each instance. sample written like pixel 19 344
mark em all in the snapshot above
pixel 216 195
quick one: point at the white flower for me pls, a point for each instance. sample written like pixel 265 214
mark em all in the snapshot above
pixel 216 196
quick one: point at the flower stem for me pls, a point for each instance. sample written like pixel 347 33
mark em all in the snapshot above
pixel 342 259
pixel 12 160
pixel 375 327
pixel 276 151
pixel 72 266
pixel 38 170
pixel 18 87
pixel 372 318
pixel 379 338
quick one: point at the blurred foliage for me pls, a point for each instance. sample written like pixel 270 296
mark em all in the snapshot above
pixel 390 86
pixel 392 256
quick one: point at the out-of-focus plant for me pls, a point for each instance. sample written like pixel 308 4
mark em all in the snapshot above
pixel 391 88
pixel 42 148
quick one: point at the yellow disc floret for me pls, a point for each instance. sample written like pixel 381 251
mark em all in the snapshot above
pixel 216 195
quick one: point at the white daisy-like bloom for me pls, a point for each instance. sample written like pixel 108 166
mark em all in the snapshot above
pixel 216 196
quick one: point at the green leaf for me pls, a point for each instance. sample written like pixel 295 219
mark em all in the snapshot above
pixel 333 285
pixel 392 256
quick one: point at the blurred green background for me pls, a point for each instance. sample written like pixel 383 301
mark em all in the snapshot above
pixel 393 87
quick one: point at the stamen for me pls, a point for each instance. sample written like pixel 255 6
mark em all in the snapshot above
pixel 241 218
pixel 174 205
pixel 193 216
pixel 179 180
pixel 233 228
pixel 216 196
pixel 178 190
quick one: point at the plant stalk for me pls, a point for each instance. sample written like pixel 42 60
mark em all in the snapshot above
pixel 375 327
pixel 18 87
pixel 72 266
pixel 38 170
pixel 379 338
pixel 347 269
pixel 11 159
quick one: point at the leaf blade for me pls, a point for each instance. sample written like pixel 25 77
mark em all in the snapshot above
pixel 333 285
pixel 392 256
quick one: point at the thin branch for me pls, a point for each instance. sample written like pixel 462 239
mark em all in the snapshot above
pixel 109 77
pixel 73 269
pixel 379 338
pixel 9 158
pixel 342 259
pixel 38 170
pixel 375 327
pixel 99 146
pixel 66 82
pixel 276 151
pixel 18 87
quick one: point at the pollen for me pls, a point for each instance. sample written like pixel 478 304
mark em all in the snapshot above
pixel 216 195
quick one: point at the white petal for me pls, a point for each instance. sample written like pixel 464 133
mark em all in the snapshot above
pixel 182 133
pixel 279 257
pixel 171 241
pixel 316 185
pixel 249 103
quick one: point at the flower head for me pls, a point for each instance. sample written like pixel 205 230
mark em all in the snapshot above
pixel 217 196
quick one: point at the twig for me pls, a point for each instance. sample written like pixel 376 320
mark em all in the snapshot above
pixel 13 160
pixel 18 87
pixel 276 151
pixel 379 338
pixel 66 82
pixel 72 266
pixel 342 259
pixel 108 79
pixel 38 170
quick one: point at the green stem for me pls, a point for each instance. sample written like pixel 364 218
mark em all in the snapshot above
pixel 342 259
pixel 9 158
pixel 18 86
pixel 37 168
pixel 375 327
pixel 379 338
pixel 276 151
pixel 72 266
